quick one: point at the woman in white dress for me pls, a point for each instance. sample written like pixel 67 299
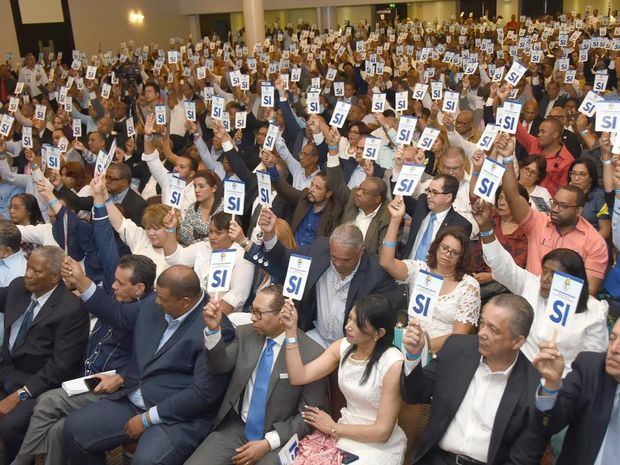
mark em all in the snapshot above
pixel 198 257
pixel 369 370
pixel 458 307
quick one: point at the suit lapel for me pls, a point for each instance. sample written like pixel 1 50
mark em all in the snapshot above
pixel 278 367
pixel 18 309
pixel 514 388
pixel 356 281
pixel 158 331
pixel 463 379
pixel 178 334
pixel 48 307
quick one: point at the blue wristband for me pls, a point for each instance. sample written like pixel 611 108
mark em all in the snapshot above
pixel 211 333
pixel 99 205
pixel 291 340
pixel 53 202
pixel 413 357
pixel 616 191
pixel 475 173
pixel 145 421
pixel 171 230
pixel 507 160
pixel 551 392
pixel 391 245
pixel 486 233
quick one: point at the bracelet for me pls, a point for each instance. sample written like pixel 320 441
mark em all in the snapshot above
pixel 291 346
pixel 245 243
pixel 391 245
pixel 606 162
pixel 475 173
pixel 413 357
pixel 551 392
pixel 171 230
pixel 486 233
pixel 211 332
pixel 53 202
pixel 584 132
pixel 290 340
pixel 99 205
pixel 332 147
pixel 617 191
pixel 145 421
pixel 332 431
pixel 507 161
pixel 148 137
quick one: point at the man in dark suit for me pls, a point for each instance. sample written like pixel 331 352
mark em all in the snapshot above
pixel 44 343
pixel 587 401
pixel 530 120
pixel 342 271
pixel 261 411
pixel 547 99
pixel 169 400
pixel 480 389
pixel 430 213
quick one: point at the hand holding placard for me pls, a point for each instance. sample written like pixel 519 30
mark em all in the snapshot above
pixel 296 276
pixel 221 270
pixel 563 299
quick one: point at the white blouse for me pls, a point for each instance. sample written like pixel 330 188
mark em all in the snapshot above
pixel 198 256
pixel 462 304
pixel 139 244
pixel 585 331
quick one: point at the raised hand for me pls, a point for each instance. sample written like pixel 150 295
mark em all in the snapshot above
pixel 505 145
pixel 170 221
pixel 235 232
pixel 149 125
pixel 267 223
pixel 212 315
pixel 288 316
pixel 482 213
pixel 550 364
pixel 477 159
pixel 414 339
pixel 397 208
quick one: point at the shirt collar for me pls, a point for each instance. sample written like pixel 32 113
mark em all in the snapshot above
pixel 279 339
pixel 8 261
pixel 182 318
pixel 487 369
pixel 42 299
pixel 372 214
pixel 349 277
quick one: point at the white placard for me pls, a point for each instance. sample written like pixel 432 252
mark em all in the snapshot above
pixel 27 137
pixel 130 126
pixel 424 295
pixel 600 82
pixel 607 116
pixel 13 104
pixel 105 90
pixel 6 123
pixel 339 116
pixel 313 106
pixel 588 105
pixel 264 188
pixel 91 72
pixel 221 270
pixel 190 110
pixel 241 118
pixel 19 87
pixel 217 107
pixel 563 299
pixel 295 74
pixel 402 101
pixel 235 78
pixel 378 103
pixel 53 158
pixel 160 115
pixel 372 146
pixel 339 89
pixel 428 137
pixel 102 162
pixel 266 96
pixel 39 112
pixel 408 179
pixel 488 137
pixel 63 144
pixel 419 90
pixel 289 451
pixel 436 90
pixel 406 129
pixel 175 191
pixel 515 73
pixel 331 74
pixel 450 101
pixel 489 180
pixel 507 117
pixel 270 138
pixel 569 76
pixel 296 276
pixel 234 197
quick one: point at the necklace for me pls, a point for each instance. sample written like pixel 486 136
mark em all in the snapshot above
pixel 443 275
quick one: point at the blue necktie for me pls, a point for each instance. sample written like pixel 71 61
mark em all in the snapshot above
pixel 611 446
pixel 427 238
pixel 23 328
pixel 255 422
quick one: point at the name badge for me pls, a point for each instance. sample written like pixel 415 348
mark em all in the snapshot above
pixel 408 179
pixel 234 197
pixel 221 270
pixel 424 295
pixel 296 276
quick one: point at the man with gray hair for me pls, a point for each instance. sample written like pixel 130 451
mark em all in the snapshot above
pixel 45 341
pixel 342 271
pixel 481 390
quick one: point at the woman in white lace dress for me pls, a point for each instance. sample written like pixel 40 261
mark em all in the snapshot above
pixel 458 307
pixel 369 370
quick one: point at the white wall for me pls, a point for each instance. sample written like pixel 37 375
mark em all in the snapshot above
pixel 429 11
pixel 8 38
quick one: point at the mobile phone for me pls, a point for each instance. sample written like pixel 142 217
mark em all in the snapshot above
pixel 348 457
pixel 92 383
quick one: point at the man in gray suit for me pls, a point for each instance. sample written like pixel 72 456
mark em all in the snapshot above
pixel 261 411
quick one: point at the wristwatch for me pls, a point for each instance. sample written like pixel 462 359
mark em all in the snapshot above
pixel 23 394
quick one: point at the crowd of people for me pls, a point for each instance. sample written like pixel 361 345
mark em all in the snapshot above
pixel 421 225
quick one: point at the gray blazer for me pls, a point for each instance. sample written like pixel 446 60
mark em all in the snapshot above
pixel 284 402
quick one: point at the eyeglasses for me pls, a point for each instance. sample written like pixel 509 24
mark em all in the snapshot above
pixel 256 313
pixel 451 169
pixel 561 206
pixel 109 179
pixel 433 192
pixel 445 250
pixel 463 123
pixel 529 171
pixel 578 174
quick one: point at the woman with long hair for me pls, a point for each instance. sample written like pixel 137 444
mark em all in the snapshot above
pixel 209 191
pixel 369 369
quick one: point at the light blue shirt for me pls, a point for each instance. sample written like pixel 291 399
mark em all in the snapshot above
pixel 11 267
pixel 7 192
pixel 545 403
pixel 17 323
pixel 357 177
pixel 118 198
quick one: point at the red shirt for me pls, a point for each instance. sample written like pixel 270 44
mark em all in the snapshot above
pixel 558 164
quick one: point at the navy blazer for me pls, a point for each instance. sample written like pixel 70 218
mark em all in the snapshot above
pixel 418 209
pixel 584 405
pixel 369 278
pixel 173 378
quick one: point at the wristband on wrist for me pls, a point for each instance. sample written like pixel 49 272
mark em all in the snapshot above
pixel 584 132
pixel 148 137
pixel 551 392
pixel 413 357
pixel 486 233
pixel 211 332
pixel 391 245
pixel 475 173
pixel 99 205
pixel 617 191
pixel 332 147
pixel 606 162
pixel 507 160
pixel 290 340
pixel 145 421
pixel 171 230
pixel 53 202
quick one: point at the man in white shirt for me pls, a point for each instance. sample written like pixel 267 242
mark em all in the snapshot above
pixel 478 388
pixel 33 76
